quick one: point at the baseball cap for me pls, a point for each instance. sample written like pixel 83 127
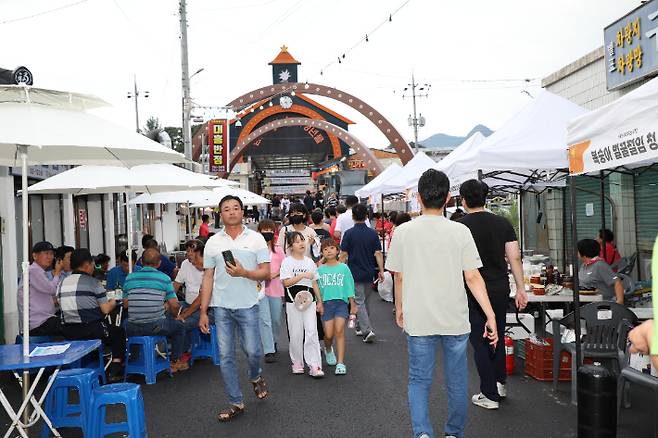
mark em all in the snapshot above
pixel 43 246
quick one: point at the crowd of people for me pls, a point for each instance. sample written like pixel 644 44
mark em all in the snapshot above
pixel 314 262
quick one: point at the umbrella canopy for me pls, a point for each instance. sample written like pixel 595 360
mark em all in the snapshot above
pixel 145 178
pixel 622 133
pixel 178 197
pixel 372 187
pixel 247 197
pixel 55 130
pixel 409 175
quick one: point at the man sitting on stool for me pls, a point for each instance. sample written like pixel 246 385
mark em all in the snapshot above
pixel 84 305
pixel 191 275
pixel 145 291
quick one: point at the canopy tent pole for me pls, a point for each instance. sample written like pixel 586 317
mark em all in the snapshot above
pixel 25 265
pixel 521 227
pixel 574 261
pixel 604 243
pixel 383 229
pixel 129 226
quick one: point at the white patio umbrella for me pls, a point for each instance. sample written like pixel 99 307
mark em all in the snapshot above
pixel 247 197
pixel 178 197
pixel 40 126
pixel 148 178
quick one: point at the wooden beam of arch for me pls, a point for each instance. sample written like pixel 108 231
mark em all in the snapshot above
pixel 397 141
pixel 371 162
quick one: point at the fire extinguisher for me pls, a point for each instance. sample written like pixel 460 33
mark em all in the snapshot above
pixel 509 355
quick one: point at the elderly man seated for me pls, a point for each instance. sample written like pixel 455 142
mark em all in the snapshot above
pixel 145 291
pixel 166 265
pixel 43 318
pixel 84 304
pixel 190 275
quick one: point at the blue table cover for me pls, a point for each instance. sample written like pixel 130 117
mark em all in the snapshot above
pixel 12 359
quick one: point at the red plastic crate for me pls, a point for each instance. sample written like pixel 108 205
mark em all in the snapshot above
pixel 539 361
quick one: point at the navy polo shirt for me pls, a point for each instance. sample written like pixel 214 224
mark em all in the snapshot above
pixel 360 243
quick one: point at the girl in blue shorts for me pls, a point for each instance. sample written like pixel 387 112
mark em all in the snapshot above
pixel 337 290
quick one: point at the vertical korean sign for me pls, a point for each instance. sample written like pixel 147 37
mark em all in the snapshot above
pixel 217 146
pixel 631 46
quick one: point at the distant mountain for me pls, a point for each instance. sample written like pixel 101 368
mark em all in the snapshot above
pixel 445 141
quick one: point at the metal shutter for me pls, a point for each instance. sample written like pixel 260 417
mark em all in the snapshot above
pixel 646 208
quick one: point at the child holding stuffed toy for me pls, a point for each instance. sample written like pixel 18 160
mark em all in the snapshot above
pixel 299 276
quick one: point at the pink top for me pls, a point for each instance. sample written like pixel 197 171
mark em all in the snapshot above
pixel 274 288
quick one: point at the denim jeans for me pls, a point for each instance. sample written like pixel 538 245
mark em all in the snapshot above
pixel 422 358
pixel 168 327
pixel 270 322
pixel 244 322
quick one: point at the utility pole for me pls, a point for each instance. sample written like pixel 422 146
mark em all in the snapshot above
pixel 185 70
pixel 135 94
pixel 416 121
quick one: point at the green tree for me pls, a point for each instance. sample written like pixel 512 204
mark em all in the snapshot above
pixel 152 124
pixel 176 135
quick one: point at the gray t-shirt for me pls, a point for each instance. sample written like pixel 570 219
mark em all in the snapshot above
pixel 432 253
pixel 598 275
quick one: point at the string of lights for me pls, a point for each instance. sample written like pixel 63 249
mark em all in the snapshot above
pixel 366 38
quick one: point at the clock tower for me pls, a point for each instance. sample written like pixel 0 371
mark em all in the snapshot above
pixel 284 67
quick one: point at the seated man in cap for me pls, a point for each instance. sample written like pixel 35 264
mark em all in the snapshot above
pixel 84 305
pixel 43 318
pixel 145 291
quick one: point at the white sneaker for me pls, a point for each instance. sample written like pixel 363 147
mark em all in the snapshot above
pixel 502 391
pixel 483 402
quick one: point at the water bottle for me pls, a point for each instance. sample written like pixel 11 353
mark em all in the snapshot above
pixel 352 322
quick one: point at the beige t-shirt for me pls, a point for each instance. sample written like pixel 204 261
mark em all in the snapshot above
pixel 432 252
pixel 308 233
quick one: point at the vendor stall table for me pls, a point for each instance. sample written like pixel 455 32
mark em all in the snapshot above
pixel 12 359
pixel 540 327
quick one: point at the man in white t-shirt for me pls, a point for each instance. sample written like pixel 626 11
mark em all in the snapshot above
pixel 190 274
pixel 432 257
pixel 345 221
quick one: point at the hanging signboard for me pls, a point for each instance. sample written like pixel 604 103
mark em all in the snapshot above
pixel 297 180
pixel 631 46
pixel 287 172
pixel 217 146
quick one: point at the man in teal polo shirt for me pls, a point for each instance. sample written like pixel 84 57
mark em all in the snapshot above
pixel 232 291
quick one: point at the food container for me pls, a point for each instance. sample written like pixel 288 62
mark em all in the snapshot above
pixel 535 279
pixel 538 289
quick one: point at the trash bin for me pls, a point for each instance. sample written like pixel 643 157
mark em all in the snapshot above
pixel 597 402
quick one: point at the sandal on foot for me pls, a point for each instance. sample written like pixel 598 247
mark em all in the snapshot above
pixel 260 387
pixel 229 413
pixel 341 369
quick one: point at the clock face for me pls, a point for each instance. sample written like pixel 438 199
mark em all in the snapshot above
pixel 286 102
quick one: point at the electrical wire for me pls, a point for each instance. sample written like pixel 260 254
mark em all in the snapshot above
pixel 38 14
pixel 282 18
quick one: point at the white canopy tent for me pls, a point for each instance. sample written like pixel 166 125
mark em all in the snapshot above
pixel 409 174
pixel 373 187
pixel 39 126
pixel 622 133
pixel 458 165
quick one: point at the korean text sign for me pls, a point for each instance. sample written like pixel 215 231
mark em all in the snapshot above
pixel 217 146
pixel 631 46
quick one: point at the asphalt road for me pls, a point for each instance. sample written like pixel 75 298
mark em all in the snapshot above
pixel 370 401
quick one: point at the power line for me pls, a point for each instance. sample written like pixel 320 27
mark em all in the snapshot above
pixel 283 17
pixel 38 14
pixel 365 38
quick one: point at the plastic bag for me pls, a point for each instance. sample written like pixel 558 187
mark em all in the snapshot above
pixel 385 288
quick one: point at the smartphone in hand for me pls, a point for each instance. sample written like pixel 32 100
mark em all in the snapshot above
pixel 228 257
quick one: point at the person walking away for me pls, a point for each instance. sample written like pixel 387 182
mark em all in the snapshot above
pixel 345 221
pixel 271 304
pixel 285 205
pixel 339 210
pixel 319 199
pixel 332 201
pixel 309 201
pixel 497 244
pixel 595 273
pixel 84 304
pixel 337 289
pixel 362 249
pixel 432 257
pixel 321 229
pixel 44 320
pixel 145 292
pixel 299 276
pixel 203 228
pixel 190 275
pixel 329 216
pixel 235 259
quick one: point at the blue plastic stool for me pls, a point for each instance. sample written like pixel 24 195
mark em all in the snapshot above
pixel 148 363
pixel 60 410
pixel 205 345
pixel 127 394
pixel 93 361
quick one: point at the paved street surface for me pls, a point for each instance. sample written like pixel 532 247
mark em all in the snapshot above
pixel 370 401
